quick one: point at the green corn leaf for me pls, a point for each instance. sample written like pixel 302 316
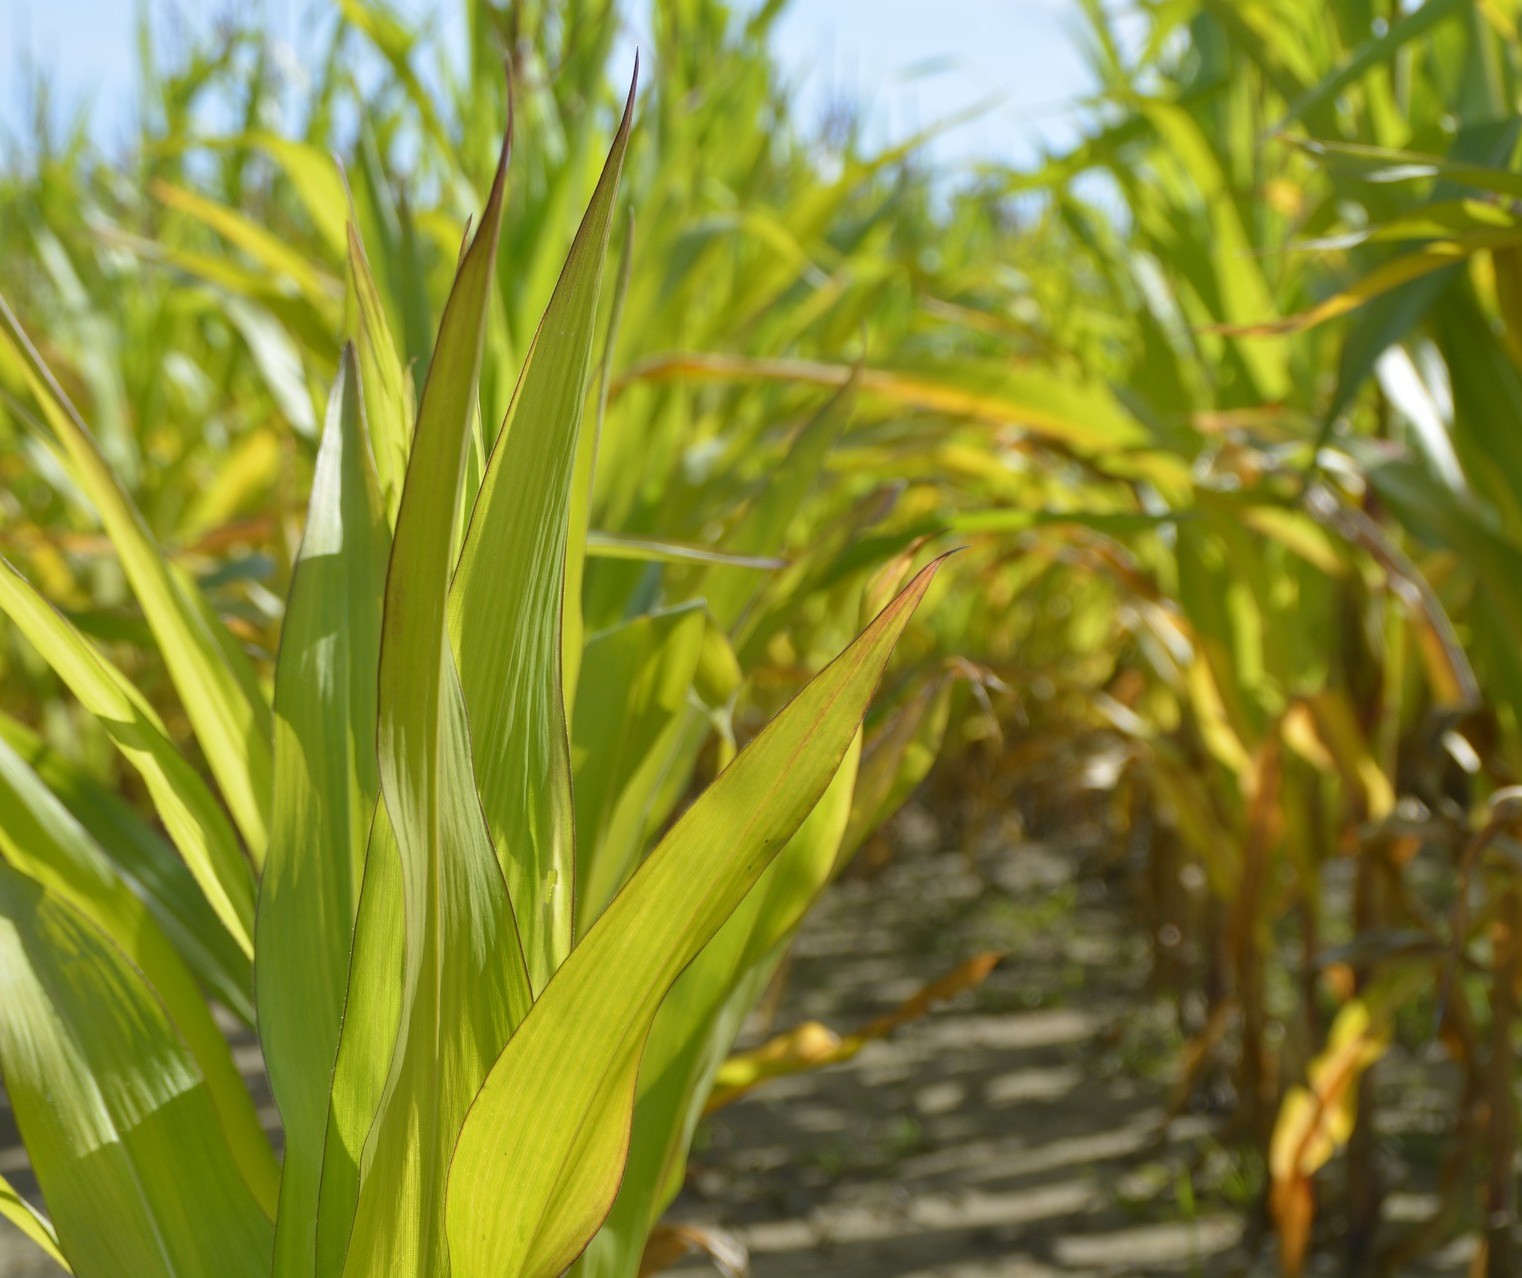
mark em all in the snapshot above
pixel 579 533
pixel 150 866
pixel 898 758
pixel 505 609
pixel 659 550
pixel 628 719
pixel 437 980
pixel 221 696
pixel 763 527
pixel 325 793
pixel 1377 51
pixel 118 1122
pixel 540 1156
pixel 31 1222
pixel 39 837
pixel 192 816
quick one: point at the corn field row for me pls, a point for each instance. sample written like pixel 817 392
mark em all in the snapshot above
pixel 466 659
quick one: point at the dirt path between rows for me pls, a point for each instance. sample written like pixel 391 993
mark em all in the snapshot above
pixel 1016 1133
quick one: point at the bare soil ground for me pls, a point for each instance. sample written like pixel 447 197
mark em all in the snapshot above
pixel 1016 1133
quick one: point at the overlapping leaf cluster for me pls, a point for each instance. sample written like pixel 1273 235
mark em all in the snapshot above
pixel 456 958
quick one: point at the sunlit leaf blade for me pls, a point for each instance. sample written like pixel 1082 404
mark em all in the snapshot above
pixel 324 799
pixel 698 1021
pixel 505 608
pixel 540 1155
pixel 40 838
pixel 150 866
pixel 31 1222
pixel 192 816
pixel 271 253
pixel 221 696
pixel 119 1125
pixel 388 397
pixel 436 953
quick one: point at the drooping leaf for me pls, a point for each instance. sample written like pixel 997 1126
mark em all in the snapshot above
pixel 39 837
pixel 191 815
pixel 221 695
pixel 812 1046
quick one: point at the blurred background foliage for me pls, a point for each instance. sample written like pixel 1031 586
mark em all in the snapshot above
pixel 1224 404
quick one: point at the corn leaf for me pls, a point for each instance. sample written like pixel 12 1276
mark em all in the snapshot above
pixel 436 953
pixel 656 550
pixel 698 1021
pixel 191 815
pixel 150 866
pixel 505 608
pixel 221 696
pixel 388 397
pixel 1078 414
pixel 31 1222
pixel 40 838
pixel 118 1121
pixel 325 793
pixel 539 1158
pixel 630 709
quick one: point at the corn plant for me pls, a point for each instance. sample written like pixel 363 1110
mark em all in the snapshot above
pixel 454 996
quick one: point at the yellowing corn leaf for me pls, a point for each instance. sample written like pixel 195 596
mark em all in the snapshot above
pixel 669 1243
pixel 1316 1118
pixel 540 1156
pixel 1412 265
pixel 813 1046
pixel 1080 415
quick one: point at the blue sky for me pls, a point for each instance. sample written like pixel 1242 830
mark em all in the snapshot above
pixel 910 62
